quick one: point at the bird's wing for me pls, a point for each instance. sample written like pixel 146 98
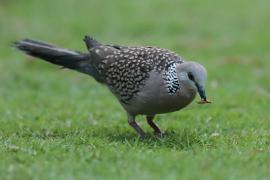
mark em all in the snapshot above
pixel 125 69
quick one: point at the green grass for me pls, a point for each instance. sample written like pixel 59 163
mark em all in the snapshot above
pixel 59 124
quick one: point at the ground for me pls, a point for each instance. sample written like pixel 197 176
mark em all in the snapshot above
pixel 59 124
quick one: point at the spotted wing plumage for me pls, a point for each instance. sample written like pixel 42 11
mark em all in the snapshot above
pixel 125 69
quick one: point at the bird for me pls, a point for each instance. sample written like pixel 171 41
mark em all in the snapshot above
pixel 146 80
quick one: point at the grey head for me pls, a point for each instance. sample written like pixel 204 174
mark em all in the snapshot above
pixel 193 75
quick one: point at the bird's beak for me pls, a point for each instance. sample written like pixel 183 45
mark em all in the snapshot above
pixel 201 92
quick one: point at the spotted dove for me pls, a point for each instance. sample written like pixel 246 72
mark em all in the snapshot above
pixel 145 80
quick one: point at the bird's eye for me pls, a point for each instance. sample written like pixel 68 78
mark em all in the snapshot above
pixel 190 76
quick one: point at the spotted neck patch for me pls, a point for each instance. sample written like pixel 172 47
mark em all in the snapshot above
pixel 171 79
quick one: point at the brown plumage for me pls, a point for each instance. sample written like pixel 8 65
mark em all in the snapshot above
pixel 145 80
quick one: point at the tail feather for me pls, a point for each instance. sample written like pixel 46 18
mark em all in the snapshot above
pixel 37 42
pixel 90 42
pixel 59 56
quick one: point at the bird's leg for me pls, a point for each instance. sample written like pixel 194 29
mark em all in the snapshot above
pixel 132 123
pixel 157 130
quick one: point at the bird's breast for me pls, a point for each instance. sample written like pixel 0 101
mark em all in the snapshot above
pixel 153 97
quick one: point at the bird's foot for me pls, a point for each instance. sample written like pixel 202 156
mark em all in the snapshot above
pixel 159 134
pixel 142 136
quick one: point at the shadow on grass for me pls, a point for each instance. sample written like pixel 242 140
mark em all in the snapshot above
pixel 174 139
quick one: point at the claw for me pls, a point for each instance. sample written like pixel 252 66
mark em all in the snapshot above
pixel 204 101
pixel 159 134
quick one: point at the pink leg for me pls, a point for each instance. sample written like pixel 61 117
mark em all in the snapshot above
pixel 157 130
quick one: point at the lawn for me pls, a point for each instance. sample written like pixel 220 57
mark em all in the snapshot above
pixel 59 124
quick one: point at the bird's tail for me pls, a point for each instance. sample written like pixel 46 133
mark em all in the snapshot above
pixel 59 56
pixel 50 53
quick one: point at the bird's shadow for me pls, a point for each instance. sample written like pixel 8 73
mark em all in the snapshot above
pixel 173 139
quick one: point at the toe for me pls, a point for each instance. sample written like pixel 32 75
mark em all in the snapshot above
pixel 159 134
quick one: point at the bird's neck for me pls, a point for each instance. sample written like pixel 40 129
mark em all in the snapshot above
pixel 171 79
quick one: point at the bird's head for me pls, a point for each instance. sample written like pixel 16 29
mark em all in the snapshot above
pixel 194 75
